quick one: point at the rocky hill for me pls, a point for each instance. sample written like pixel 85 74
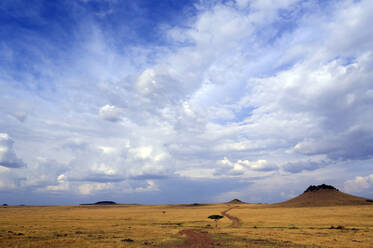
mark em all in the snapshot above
pixel 236 201
pixel 323 195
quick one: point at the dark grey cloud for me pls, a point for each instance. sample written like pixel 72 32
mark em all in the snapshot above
pixel 100 178
pixel 150 177
pixel 350 145
pixel 76 145
pixel 16 164
pixel 308 165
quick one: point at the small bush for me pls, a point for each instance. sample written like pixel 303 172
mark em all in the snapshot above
pixel 216 218
pixel 337 227
pixel 127 240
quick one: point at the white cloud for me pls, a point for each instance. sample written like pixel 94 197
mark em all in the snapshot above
pixel 359 184
pixel 146 81
pixel 62 185
pixel 197 173
pixel 111 113
pixel 244 167
pixel 151 186
pixel 90 188
pixel 41 174
pixel 108 149
pixel 8 157
pixel 7 185
pixel 143 152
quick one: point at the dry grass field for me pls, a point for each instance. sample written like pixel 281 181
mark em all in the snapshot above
pixel 163 225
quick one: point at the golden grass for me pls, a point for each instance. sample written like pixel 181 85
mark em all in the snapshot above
pixel 148 226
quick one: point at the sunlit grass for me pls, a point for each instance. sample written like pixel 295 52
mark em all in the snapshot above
pixel 159 226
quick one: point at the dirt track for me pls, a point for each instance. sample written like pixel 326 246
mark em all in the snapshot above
pixel 235 220
pixel 196 239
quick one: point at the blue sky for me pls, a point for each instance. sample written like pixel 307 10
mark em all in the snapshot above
pixel 184 101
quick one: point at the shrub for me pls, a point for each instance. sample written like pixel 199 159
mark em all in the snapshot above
pixel 216 218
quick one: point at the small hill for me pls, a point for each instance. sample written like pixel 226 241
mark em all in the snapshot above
pixel 236 201
pixel 101 203
pixel 105 203
pixel 323 195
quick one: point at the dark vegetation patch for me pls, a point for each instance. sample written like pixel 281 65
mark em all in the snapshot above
pixel 59 235
pixel 148 243
pixel 127 240
pixel 313 188
pixel 337 227
pixel 192 205
pixel 168 223
pixel 105 203
pixel 343 228
pixel 293 227
pixel 101 203
pixel 369 200
pixel 14 233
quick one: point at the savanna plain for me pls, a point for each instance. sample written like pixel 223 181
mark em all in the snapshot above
pixel 243 225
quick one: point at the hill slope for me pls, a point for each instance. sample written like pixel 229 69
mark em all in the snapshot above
pixel 324 195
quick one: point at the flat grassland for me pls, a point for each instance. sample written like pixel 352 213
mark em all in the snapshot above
pixel 185 226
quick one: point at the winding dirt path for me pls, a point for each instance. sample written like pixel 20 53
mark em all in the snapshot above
pixel 235 220
pixel 196 239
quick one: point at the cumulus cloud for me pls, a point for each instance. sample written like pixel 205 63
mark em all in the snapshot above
pixel 43 173
pixel 62 185
pixel 110 113
pixel 151 186
pixel 333 106
pixel 8 157
pixel 241 167
pixel 90 188
pixel 359 184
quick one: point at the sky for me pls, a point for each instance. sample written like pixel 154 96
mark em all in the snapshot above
pixel 175 101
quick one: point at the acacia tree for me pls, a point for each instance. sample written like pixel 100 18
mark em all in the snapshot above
pixel 216 218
